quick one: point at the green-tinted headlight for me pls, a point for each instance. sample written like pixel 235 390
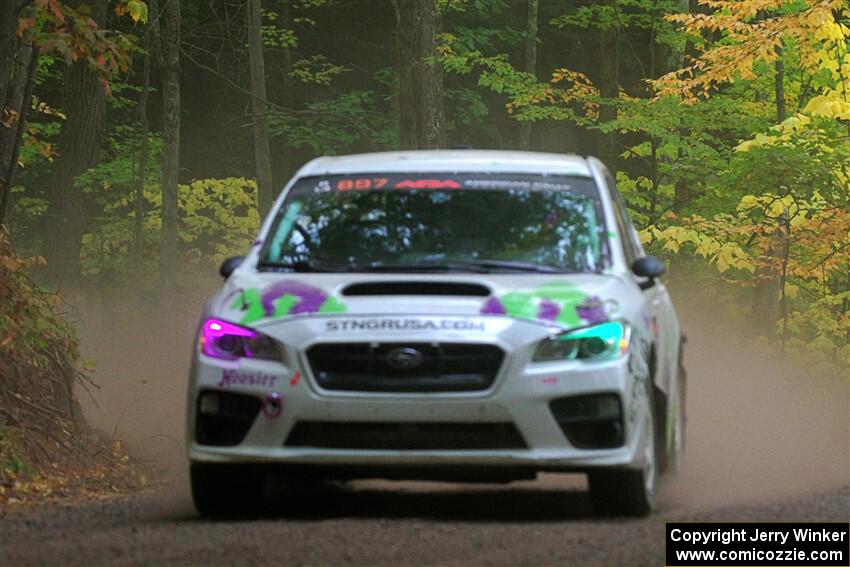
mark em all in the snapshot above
pixel 606 341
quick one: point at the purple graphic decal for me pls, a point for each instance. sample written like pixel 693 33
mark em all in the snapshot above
pixel 493 307
pixel 311 297
pixel 592 310
pixel 288 297
pixel 548 310
pixel 556 302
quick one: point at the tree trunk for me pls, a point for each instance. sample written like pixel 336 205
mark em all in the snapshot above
pixel 20 95
pixel 420 78
pixel 78 146
pixel 8 45
pixel 144 151
pixel 16 96
pixel 170 73
pixel 609 88
pixel 530 65
pixel 262 155
pixel 766 292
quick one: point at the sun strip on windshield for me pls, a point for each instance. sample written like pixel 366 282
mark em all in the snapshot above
pixel 590 215
pixel 283 230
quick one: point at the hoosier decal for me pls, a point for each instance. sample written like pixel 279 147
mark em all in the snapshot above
pixel 247 378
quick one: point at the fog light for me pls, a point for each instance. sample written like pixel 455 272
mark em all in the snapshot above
pixel 607 407
pixel 209 404
pixel 590 421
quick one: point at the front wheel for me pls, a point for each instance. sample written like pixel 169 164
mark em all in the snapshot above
pixel 227 490
pixel 627 492
pixel 680 426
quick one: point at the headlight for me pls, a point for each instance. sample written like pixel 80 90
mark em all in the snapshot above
pixel 221 339
pixel 606 341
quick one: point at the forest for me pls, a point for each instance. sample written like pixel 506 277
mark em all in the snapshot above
pixel 142 142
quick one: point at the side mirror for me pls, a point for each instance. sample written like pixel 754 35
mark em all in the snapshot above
pixel 648 267
pixel 229 265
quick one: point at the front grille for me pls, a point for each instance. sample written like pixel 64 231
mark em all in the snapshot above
pixel 429 367
pixel 405 436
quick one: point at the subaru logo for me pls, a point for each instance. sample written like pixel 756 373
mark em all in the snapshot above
pixel 405 358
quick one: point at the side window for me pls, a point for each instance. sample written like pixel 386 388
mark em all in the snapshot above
pixel 631 248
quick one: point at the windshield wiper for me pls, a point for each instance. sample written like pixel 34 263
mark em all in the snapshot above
pixel 515 265
pixel 421 267
pixel 477 266
pixel 305 266
pixel 472 265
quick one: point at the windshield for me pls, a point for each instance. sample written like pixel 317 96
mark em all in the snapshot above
pixel 451 222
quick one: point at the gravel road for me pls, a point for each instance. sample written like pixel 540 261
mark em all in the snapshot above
pixel 767 442
pixel 541 525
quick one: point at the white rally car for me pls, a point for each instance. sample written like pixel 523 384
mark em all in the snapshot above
pixel 445 315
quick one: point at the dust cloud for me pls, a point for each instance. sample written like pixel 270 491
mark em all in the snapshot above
pixel 141 367
pixel 759 429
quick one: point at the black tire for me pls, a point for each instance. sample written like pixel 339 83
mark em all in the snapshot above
pixel 627 492
pixel 232 491
pixel 680 440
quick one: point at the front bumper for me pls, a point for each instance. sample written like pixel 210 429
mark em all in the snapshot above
pixel 521 395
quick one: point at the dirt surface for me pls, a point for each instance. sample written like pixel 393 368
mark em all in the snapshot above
pixel 541 526
pixel 767 442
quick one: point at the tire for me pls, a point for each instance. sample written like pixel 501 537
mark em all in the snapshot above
pixel 627 492
pixel 680 428
pixel 227 490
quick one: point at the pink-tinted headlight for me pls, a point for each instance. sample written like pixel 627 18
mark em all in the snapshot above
pixel 229 341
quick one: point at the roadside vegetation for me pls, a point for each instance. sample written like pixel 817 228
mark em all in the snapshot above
pixel 46 447
pixel 142 141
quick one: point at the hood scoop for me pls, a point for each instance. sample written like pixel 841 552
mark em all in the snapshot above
pixel 417 288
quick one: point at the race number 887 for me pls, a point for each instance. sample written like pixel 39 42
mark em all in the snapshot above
pixel 361 184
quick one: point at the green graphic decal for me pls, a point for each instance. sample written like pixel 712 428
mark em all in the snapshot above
pixel 332 305
pixel 251 301
pixel 283 298
pixel 558 302
pixel 284 304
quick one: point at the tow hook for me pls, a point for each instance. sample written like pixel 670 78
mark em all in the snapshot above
pixel 273 405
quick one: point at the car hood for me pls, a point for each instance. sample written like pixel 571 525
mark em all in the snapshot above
pixel 566 301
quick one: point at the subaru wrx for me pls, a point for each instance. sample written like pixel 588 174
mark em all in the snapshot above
pixel 445 315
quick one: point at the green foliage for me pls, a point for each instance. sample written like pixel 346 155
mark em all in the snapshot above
pixel 274 36
pixel 316 70
pixel 709 173
pixel 136 9
pixel 355 119
pixel 218 218
pixel 486 7
pixel 712 175
pixel 640 14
